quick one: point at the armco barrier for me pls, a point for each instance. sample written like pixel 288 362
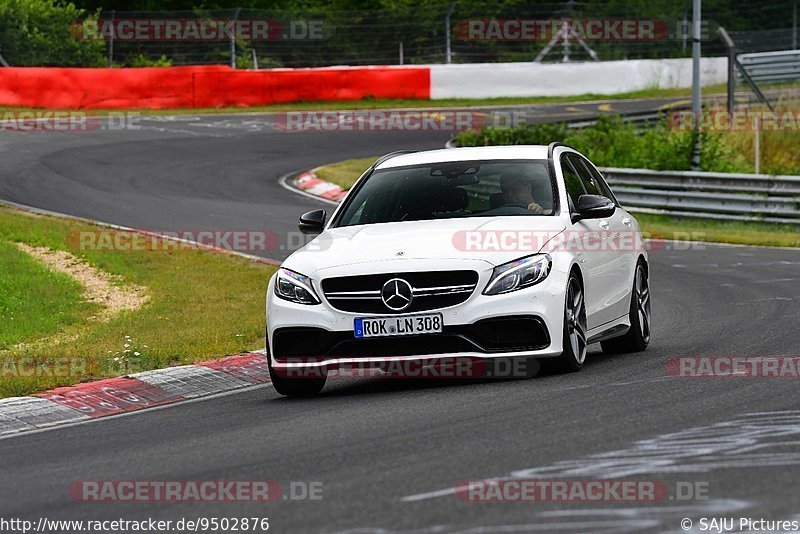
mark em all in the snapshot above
pixel 710 195
pixel 66 88
pixel 219 86
pixel 522 79
pixel 210 86
pixel 250 88
pixel 770 67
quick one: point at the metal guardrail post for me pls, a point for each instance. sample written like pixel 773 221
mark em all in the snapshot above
pixel 111 40
pixel 448 53
pixel 730 46
pixel 233 38
pixel 697 103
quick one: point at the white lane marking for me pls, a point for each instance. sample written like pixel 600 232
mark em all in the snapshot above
pixel 577 526
pixel 434 494
pixel 707 507
pixel 770 299
pixel 618 383
pixel 574 526
pixel 616 520
pixel 724 445
pixel 670 289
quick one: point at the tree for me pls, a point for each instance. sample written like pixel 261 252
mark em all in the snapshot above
pixel 41 33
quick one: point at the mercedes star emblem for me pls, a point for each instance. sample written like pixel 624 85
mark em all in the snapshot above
pixel 397 294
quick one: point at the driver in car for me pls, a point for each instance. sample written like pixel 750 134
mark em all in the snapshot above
pixel 518 191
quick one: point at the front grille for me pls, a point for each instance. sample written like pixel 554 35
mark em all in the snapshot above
pixel 502 334
pixel 431 291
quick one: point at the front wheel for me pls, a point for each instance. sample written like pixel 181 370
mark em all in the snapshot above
pixel 574 335
pixel 309 382
pixel 638 336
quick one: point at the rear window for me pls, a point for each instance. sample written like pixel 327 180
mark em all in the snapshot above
pixel 454 189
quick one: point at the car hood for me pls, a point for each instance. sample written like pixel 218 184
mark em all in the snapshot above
pixel 494 240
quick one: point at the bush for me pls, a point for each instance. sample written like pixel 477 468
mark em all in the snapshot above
pixel 143 61
pixel 37 32
pixel 611 142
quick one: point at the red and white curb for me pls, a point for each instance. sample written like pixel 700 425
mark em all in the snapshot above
pixel 311 184
pixel 139 391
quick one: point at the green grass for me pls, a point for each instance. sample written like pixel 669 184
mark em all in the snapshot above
pixel 202 305
pixel 778 149
pixel 345 173
pixel 35 301
pixel 740 233
pixel 376 103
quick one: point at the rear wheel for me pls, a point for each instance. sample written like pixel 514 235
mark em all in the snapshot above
pixel 574 335
pixel 638 336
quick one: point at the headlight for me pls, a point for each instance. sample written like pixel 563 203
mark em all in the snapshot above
pixel 295 287
pixel 519 273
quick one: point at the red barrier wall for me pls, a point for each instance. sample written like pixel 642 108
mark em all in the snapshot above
pixel 214 86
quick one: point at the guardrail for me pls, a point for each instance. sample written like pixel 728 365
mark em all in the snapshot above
pixel 638 120
pixel 743 197
pixel 772 66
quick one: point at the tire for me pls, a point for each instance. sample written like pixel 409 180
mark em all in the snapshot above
pixel 301 386
pixel 637 337
pixel 574 331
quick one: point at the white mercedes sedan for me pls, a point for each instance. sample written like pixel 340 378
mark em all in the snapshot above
pixel 520 253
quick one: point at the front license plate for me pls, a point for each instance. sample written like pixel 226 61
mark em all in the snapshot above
pixel 430 323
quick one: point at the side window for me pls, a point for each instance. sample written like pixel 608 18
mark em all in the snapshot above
pixel 601 183
pixel 586 177
pixel 572 181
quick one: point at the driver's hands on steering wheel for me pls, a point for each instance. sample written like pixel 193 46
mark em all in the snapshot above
pixel 536 208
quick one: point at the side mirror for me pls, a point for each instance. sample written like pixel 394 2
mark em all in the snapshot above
pixel 594 207
pixel 312 222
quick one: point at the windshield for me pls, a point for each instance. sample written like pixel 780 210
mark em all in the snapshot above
pixel 452 189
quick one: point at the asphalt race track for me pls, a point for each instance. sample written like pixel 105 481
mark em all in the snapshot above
pixel 390 453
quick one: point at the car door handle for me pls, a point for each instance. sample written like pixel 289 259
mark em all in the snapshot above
pixel 604 225
pixel 626 221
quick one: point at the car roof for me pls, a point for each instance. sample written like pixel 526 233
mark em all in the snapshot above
pixel 467 154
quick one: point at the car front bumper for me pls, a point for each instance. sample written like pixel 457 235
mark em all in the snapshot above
pixel 482 327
